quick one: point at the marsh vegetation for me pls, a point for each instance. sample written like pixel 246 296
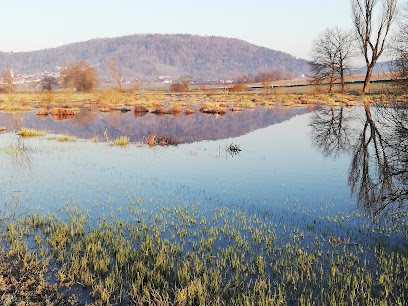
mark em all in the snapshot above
pixel 223 210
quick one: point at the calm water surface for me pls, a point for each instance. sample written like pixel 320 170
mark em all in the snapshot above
pixel 322 161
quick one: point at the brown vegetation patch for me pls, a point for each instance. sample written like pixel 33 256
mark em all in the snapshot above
pixel 61 117
pixel 212 108
pixel 139 115
pixel 189 111
pixel 59 114
pixel 164 141
pixel 104 107
pixel 42 112
pixel 161 111
pixel 140 109
pixel 177 109
pixel 238 88
pixel 58 111
pixel 23 282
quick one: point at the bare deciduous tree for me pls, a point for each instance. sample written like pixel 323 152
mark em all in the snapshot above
pixel 266 79
pixel 185 81
pixel 137 85
pixel 371 35
pixel 115 71
pixel 400 52
pixel 323 54
pixel 80 76
pixel 8 80
pixel 344 41
pixel 49 82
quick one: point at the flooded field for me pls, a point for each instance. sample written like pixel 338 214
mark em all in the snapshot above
pixel 266 206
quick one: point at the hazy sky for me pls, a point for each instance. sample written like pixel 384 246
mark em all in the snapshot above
pixel 288 25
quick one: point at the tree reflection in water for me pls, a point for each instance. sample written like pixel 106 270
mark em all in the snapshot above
pixel 378 145
pixel 331 130
pixel 20 157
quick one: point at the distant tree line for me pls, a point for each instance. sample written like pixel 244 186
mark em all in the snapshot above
pixel 79 76
pixel 264 77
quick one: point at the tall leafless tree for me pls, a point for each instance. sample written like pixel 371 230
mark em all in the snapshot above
pixel 8 80
pixel 185 80
pixel 115 71
pixel 344 41
pixel 323 54
pixel 400 52
pixel 372 36
pixel 331 55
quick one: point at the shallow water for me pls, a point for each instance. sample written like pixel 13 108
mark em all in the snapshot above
pixel 297 156
pixel 303 188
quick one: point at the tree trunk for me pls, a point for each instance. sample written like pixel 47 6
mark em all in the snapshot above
pixel 367 80
pixel 332 79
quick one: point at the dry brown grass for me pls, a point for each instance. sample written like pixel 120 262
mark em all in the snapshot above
pixel 213 108
pixel 177 109
pixel 42 112
pixel 61 112
pixel 163 141
pixel 140 109
pixel 30 133
pixel 189 111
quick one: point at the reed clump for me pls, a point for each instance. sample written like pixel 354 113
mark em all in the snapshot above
pixel 213 108
pixel 24 132
pixel 66 138
pixel 122 141
pixel 140 109
pixel 163 141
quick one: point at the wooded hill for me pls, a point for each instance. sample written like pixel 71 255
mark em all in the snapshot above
pixel 151 56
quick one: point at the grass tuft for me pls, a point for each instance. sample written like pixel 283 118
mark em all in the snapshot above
pixel 122 141
pixel 31 133
pixel 67 139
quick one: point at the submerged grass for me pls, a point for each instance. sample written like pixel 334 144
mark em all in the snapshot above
pixel 185 255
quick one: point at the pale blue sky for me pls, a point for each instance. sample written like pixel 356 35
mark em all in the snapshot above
pixel 289 26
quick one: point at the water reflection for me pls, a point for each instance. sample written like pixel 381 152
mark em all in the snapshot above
pixel 15 120
pixel 378 145
pixel 331 130
pixel 20 158
pixel 89 123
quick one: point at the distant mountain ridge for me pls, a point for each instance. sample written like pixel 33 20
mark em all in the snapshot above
pixel 154 55
pixel 380 67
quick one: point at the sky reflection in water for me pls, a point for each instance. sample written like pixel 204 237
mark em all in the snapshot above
pixel 283 159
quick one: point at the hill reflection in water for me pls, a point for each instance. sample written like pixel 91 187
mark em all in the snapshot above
pixel 186 129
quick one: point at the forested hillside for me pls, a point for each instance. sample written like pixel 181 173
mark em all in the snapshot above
pixel 151 56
